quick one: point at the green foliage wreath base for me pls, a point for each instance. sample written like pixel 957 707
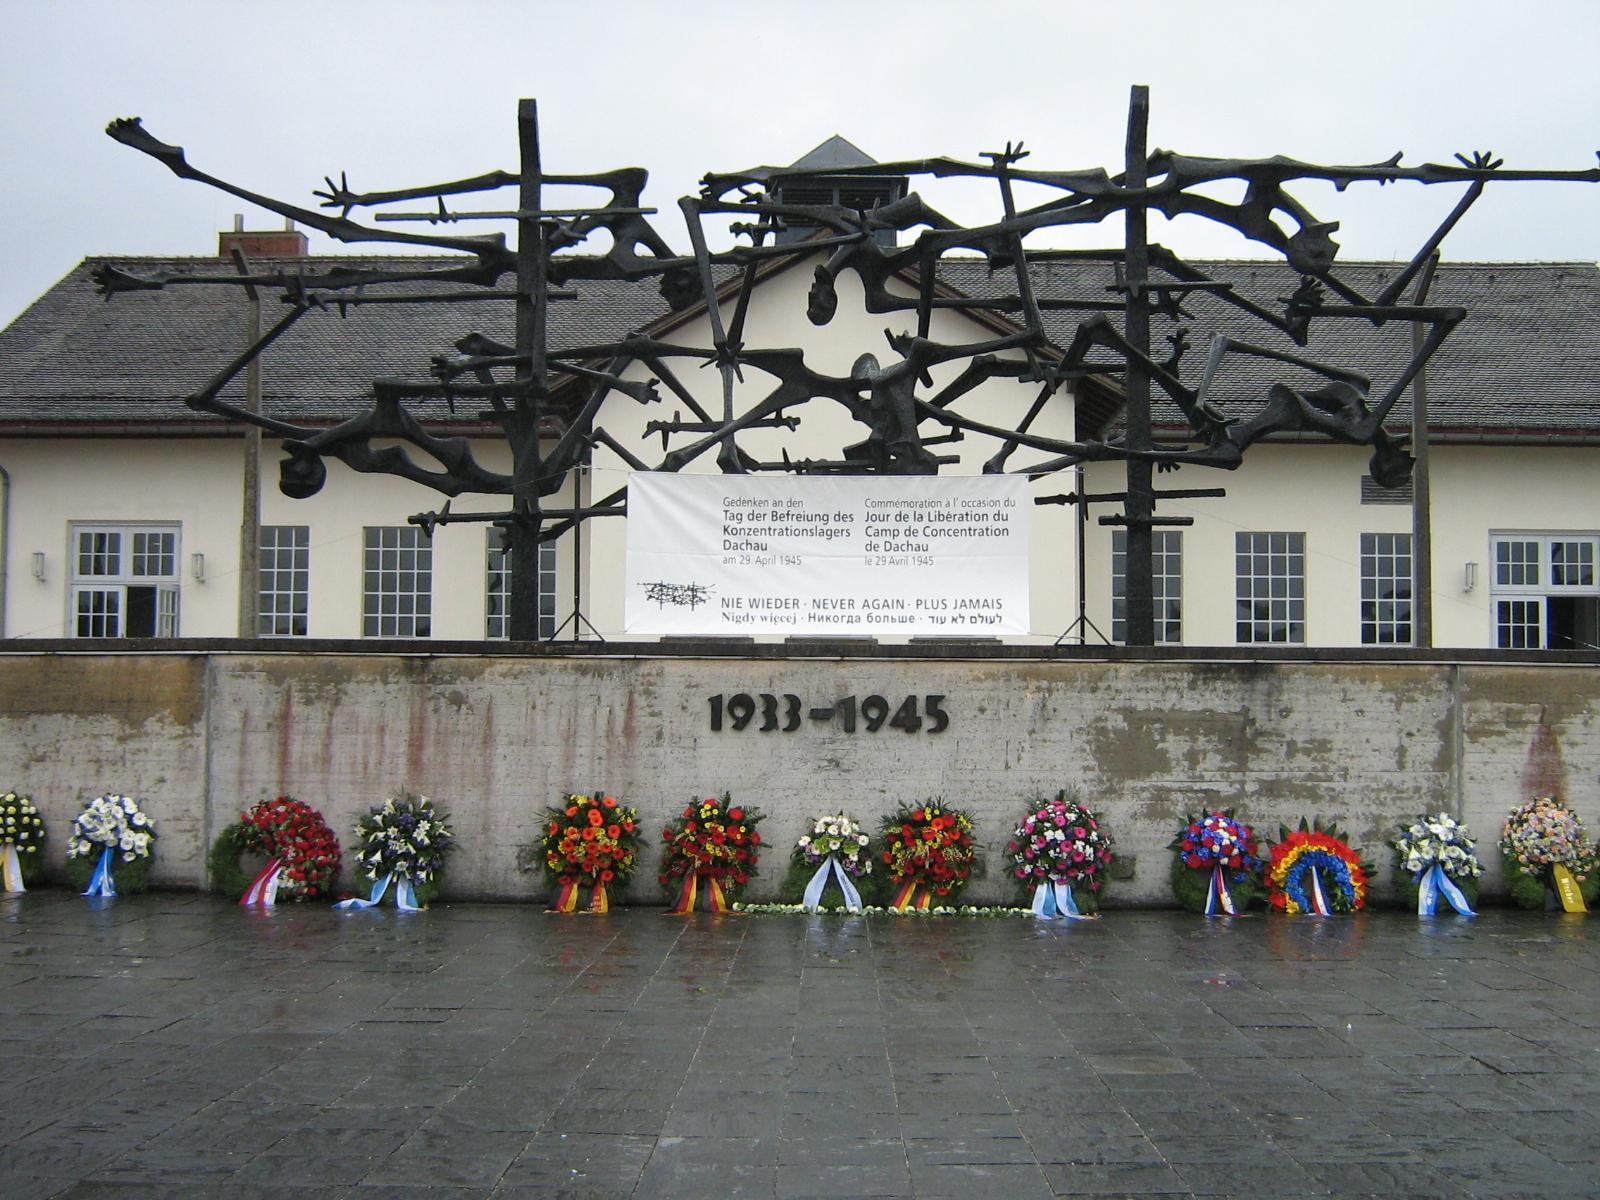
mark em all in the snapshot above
pixel 129 878
pixel 31 864
pixel 793 887
pixel 229 879
pixel 1405 886
pixel 361 886
pixel 1529 891
pixel 1190 885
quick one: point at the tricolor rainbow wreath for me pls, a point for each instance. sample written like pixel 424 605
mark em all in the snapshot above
pixel 711 850
pixel 21 836
pixel 1060 857
pixel 1314 870
pixel 589 842
pixel 929 853
pixel 301 851
pixel 1216 869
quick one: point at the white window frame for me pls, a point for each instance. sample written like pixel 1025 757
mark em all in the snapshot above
pixel 1166 584
pixel 1521 587
pixel 1388 576
pixel 1253 589
pixel 497 588
pixel 100 578
pixel 396 582
pixel 283 581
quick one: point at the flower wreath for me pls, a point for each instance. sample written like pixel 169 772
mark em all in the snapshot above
pixel 293 837
pixel 1061 855
pixel 1216 865
pixel 110 846
pixel 713 844
pixel 834 848
pixel 930 852
pixel 1541 839
pixel 1434 856
pixel 404 840
pixel 1314 870
pixel 21 834
pixel 589 841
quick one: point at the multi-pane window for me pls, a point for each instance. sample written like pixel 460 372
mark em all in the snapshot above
pixel 124 581
pixel 283 581
pixel 497 607
pixel 1166 584
pixel 397 582
pixel 1270 587
pixel 1386 589
pixel 1546 591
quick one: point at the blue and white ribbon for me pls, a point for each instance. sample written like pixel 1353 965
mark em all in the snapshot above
pixel 1218 898
pixel 100 882
pixel 405 897
pixel 819 883
pixel 1433 883
pixel 1052 901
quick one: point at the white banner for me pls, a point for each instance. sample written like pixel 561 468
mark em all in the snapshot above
pixel 874 555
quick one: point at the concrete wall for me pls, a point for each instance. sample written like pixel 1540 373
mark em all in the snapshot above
pixel 202 735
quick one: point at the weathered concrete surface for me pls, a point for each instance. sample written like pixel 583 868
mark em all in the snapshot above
pixel 495 739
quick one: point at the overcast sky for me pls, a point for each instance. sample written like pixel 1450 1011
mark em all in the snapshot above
pixel 276 95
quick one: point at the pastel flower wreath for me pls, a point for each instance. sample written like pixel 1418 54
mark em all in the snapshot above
pixel 1538 836
pixel 1321 848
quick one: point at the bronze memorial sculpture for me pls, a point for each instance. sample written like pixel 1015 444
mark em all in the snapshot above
pixel 515 381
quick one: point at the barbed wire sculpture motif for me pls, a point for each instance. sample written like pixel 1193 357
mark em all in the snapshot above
pixel 894 400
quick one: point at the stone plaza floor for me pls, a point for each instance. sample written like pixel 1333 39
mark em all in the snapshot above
pixel 175 1045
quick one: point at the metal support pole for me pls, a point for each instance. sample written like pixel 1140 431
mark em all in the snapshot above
pixel 1421 495
pixel 250 520
pixel 1136 277
pixel 522 531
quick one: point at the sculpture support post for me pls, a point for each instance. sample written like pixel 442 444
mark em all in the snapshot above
pixel 1140 506
pixel 522 536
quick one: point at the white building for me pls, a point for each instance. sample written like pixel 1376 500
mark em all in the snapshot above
pixel 123 513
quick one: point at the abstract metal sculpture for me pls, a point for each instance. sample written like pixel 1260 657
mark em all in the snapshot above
pixel 516 380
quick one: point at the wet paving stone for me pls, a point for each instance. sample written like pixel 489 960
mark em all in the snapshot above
pixel 173 1045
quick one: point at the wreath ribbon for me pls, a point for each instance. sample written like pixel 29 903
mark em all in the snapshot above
pixel 405 896
pixel 912 894
pixel 11 868
pixel 1318 898
pixel 566 899
pixel 716 899
pixel 100 883
pixel 1217 895
pixel 1567 889
pixel 1053 901
pixel 1433 883
pixel 819 883
pixel 263 889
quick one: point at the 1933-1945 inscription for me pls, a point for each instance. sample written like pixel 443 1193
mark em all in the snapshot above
pixel 769 713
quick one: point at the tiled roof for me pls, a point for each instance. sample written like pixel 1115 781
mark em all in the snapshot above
pixel 1527 359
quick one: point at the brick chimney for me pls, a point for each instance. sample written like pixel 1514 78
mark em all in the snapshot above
pixel 288 242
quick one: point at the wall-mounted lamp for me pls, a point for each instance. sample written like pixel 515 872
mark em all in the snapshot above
pixel 1469 577
pixel 38 565
pixel 197 564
